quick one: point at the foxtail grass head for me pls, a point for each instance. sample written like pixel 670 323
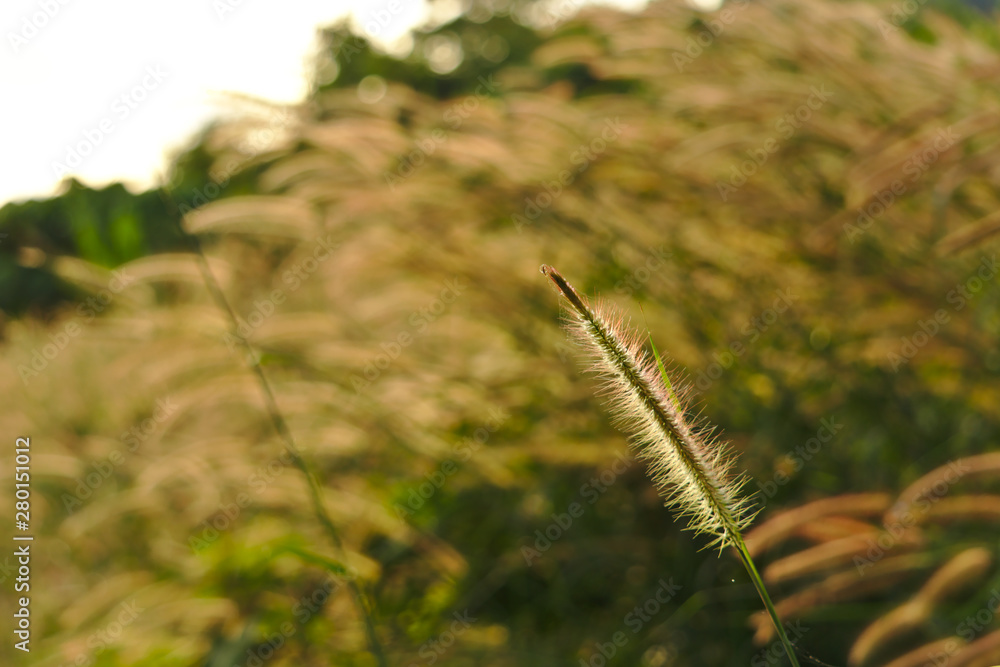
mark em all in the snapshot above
pixel 692 470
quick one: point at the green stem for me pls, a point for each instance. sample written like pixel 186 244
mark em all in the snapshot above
pixel 361 600
pixel 738 542
pixel 758 583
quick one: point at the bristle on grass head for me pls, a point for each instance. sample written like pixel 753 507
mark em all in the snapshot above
pixel 691 469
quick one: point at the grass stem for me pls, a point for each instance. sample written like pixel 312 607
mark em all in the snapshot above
pixel 361 601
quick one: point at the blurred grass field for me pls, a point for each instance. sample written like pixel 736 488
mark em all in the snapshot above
pixel 798 200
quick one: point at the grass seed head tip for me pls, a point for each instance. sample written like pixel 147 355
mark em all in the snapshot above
pixel 565 289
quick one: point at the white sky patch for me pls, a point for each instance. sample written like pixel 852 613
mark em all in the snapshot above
pixel 112 90
pixel 706 5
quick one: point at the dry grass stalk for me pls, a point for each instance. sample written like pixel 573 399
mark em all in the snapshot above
pixel 921 495
pixel 775 530
pixel 835 528
pixel 823 557
pixel 969 565
pixel 840 587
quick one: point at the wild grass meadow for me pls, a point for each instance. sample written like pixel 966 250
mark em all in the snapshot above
pixel 796 200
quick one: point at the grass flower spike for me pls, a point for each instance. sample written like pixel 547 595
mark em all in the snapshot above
pixel 692 470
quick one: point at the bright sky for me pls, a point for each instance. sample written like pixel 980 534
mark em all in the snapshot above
pixel 131 83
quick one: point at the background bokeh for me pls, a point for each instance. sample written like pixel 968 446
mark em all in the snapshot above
pixel 797 199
